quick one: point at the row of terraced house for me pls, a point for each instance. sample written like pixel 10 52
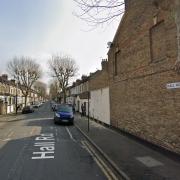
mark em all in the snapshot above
pixel 10 93
pixel 138 90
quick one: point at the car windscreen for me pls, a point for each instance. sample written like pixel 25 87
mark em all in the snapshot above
pixel 64 108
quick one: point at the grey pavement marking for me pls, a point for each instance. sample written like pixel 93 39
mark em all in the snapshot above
pixel 149 161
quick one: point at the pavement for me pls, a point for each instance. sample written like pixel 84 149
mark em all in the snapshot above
pixel 135 159
pixel 11 117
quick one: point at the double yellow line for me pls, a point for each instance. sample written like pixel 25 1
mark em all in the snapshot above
pixel 103 166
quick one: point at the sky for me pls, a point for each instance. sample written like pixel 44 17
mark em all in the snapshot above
pixel 40 28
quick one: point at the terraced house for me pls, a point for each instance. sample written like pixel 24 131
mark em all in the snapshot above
pixel 10 92
pixel 143 57
pixel 92 90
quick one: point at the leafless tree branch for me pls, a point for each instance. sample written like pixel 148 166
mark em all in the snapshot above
pixel 63 68
pixel 26 72
pixel 98 12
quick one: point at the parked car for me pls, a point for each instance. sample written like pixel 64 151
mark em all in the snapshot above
pixel 27 109
pixel 54 106
pixel 64 114
pixel 36 105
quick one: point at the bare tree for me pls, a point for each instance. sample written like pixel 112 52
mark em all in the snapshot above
pixel 41 88
pixel 54 89
pixel 63 68
pixel 26 72
pixel 98 12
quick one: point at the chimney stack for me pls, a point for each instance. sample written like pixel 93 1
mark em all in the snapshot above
pixel 104 64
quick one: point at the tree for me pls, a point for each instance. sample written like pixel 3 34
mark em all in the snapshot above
pixel 63 68
pixel 26 72
pixel 98 12
pixel 40 88
pixel 54 89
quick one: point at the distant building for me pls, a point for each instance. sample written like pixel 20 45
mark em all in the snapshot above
pixel 95 89
pixel 9 92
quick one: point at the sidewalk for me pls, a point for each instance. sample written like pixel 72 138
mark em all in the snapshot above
pixel 11 117
pixel 135 159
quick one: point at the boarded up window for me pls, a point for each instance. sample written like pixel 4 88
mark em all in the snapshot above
pixel 157 40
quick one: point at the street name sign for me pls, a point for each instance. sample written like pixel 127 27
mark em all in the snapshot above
pixel 173 85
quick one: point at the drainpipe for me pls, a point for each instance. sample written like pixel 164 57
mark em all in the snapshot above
pixel 177 21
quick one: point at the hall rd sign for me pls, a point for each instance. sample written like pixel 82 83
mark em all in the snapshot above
pixel 173 85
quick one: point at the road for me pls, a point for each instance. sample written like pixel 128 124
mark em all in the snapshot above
pixel 36 149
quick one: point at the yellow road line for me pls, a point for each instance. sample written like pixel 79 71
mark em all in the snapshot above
pixel 106 170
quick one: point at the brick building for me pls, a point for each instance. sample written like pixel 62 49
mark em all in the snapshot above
pixel 92 90
pixel 141 64
pixel 99 94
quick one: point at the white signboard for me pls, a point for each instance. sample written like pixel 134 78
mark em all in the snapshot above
pixel 173 85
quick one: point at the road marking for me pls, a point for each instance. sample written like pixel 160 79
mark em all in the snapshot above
pixel 106 170
pixel 46 146
pixel 149 161
pixel 67 129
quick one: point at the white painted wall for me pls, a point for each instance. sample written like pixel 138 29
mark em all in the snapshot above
pixel 70 100
pixel 10 109
pixel 78 105
pixel 100 106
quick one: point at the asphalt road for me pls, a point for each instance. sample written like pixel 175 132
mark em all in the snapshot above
pixel 36 149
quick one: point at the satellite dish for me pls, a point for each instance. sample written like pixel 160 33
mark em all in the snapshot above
pixel 109 44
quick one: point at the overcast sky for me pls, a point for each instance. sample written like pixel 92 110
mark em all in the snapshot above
pixel 39 28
